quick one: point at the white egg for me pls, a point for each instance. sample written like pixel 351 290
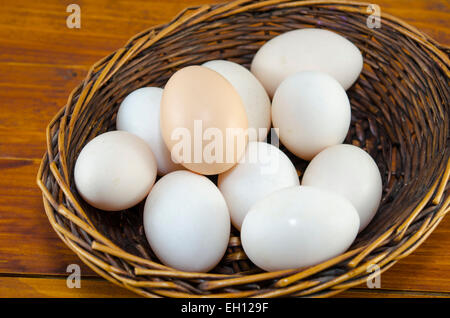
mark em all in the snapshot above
pixel 297 227
pixel 312 112
pixel 307 50
pixel 253 95
pixel 350 172
pixel 139 114
pixel 263 170
pixel 186 222
pixel 115 171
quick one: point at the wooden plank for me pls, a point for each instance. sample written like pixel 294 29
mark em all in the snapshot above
pixel 28 244
pixel 37 32
pixel 31 94
pixel 427 268
pixel 430 17
pixel 42 287
pixel 56 287
pixel 381 293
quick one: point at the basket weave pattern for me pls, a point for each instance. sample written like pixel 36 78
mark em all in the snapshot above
pixel 400 115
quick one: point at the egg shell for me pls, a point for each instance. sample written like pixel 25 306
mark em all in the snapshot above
pixel 253 95
pixel 307 50
pixel 312 112
pixel 139 114
pixel 350 172
pixel 263 170
pixel 199 95
pixel 115 171
pixel 186 222
pixel 297 227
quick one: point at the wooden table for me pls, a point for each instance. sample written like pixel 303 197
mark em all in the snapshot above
pixel 41 61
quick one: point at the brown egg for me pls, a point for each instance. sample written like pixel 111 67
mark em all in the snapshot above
pixel 203 120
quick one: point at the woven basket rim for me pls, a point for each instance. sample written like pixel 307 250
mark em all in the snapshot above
pixel 108 66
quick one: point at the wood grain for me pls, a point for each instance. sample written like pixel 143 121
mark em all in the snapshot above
pixel 31 95
pixel 41 61
pixel 28 244
pixel 427 269
pixel 54 287
pixel 366 293
pixel 35 31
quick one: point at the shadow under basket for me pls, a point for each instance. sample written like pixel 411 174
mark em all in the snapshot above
pixel 400 115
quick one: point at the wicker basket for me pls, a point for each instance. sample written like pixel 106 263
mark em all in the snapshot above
pixel 400 115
